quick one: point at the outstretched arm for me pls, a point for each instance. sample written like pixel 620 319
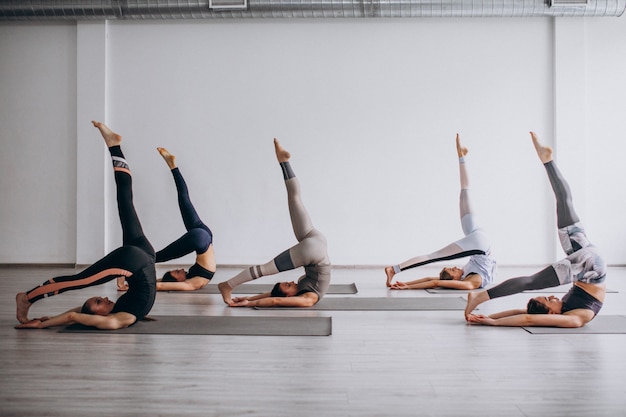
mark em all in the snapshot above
pixel 190 284
pixel 36 323
pixel 528 320
pixel 460 285
pixel 113 321
pixel 110 322
pixel 472 282
pixel 308 299
pixel 252 297
pixel 45 322
pixel 422 283
pixel 507 313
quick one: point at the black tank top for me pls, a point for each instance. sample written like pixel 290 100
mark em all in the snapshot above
pixel 139 298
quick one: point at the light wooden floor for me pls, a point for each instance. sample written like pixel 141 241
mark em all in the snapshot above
pixel 413 363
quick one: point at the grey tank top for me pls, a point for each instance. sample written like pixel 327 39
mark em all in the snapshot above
pixel 316 279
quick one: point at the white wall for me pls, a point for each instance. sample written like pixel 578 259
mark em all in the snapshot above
pixel 606 144
pixel 37 132
pixel 368 108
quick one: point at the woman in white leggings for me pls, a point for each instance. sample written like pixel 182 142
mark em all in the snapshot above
pixel 479 270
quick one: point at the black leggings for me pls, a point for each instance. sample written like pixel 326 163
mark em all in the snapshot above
pixel 198 237
pixel 135 255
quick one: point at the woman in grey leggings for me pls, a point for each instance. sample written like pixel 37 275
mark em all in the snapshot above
pixel 479 270
pixel 310 252
pixel 583 266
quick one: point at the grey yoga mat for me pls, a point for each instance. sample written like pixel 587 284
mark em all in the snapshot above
pixel 383 303
pixel 599 325
pixel 562 289
pixel 222 325
pixel 261 288
pixel 447 291
pixel 553 290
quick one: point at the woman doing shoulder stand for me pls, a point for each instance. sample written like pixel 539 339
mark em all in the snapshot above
pixel 310 252
pixel 198 238
pixel 478 272
pixel 583 266
pixel 134 261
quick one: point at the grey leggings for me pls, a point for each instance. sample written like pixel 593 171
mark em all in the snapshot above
pixel 571 239
pixel 311 246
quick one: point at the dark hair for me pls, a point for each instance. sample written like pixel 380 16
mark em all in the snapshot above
pixel 85 309
pixel 167 277
pixel 535 307
pixel 445 275
pixel 277 292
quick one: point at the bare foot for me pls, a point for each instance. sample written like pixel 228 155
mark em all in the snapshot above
pixel 390 273
pixel 110 138
pixel 460 150
pixel 23 305
pixel 170 159
pixel 474 299
pixel 281 154
pixel 226 292
pixel 544 152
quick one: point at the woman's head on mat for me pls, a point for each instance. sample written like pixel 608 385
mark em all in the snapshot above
pixel 453 273
pixel 175 275
pixel 544 305
pixel 285 289
pixel 100 306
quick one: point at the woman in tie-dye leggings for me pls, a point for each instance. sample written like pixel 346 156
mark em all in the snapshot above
pixel 583 267
pixel 134 261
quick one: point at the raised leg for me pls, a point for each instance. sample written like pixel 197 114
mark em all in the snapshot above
pixel 472 244
pixel 131 226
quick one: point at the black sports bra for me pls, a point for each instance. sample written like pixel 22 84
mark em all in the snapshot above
pixel 576 297
pixel 198 271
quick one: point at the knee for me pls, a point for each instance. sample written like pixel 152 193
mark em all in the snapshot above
pixel 314 250
pixel 201 239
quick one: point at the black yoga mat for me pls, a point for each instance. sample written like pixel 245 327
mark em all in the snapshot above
pixel 262 288
pixel 222 325
pixel 383 303
pixel 599 325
